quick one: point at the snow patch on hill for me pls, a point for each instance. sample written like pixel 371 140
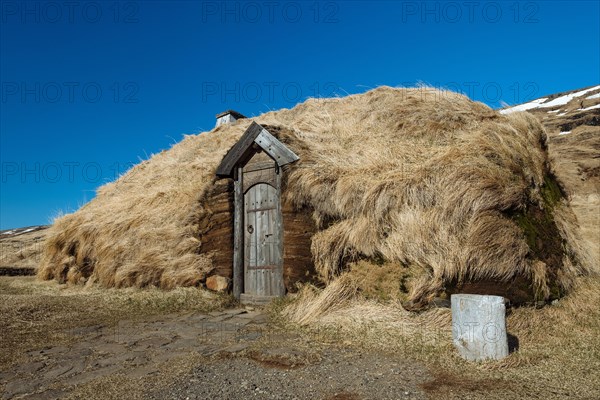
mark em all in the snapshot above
pixel 559 101
pixel 21 231
pixel 589 108
pixel 524 107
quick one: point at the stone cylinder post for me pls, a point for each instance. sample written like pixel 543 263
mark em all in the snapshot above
pixel 479 326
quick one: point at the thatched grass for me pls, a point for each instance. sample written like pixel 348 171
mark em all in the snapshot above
pixel 440 185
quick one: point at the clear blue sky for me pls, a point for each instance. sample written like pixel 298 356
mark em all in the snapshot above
pixel 92 87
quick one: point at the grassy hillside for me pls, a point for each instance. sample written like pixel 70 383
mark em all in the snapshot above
pixel 573 128
pixel 21 250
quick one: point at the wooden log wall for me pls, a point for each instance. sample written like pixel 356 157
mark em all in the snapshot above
pixel 216 230
pixel 298 229
pixel 216 233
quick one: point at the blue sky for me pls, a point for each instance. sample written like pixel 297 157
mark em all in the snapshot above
pixel 90 88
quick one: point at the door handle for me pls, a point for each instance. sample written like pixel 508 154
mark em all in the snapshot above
pixel 250 229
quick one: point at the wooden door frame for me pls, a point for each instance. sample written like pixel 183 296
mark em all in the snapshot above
pixel 238 233
pixel 238 227
pixel 231 166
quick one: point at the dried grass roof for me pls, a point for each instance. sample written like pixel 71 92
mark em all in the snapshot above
pixel 426 178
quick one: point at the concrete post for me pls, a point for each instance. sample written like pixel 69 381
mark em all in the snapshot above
pixel 479 326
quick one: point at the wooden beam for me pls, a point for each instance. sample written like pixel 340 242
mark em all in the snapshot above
pixel 279 226
pixel 273 147
pixel 238 235
pixel 240 152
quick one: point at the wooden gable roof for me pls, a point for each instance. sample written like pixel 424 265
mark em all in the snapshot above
pixel 255 135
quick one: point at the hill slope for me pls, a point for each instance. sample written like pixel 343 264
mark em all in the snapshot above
pixel 572 121
pixel 21 249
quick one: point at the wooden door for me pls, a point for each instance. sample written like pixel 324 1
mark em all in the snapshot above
pixel 263 272
pixel 263 250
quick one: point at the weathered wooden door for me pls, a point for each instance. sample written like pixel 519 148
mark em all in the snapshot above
pixel 263 272
pixel 263 249
pixel 255 164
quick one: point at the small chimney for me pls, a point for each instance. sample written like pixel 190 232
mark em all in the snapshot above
pixel 228 117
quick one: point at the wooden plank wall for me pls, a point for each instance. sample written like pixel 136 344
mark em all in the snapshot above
pixel 217 235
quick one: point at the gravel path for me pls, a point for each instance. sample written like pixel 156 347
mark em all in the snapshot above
pixel 132 349
pixel 230 354
pixel 339 374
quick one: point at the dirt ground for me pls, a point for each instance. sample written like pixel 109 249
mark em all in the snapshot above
pixel 68 342
pixel 60 342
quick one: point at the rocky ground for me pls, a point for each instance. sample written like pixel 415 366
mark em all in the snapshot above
pixel 231 362
pixel 131 348
pixel 225 354
pixel 335 374
pixel 68 342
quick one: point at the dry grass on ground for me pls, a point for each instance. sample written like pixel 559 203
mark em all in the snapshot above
pixel 428 180
pixel 36 314
pixel 558 356
pixel 558 346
